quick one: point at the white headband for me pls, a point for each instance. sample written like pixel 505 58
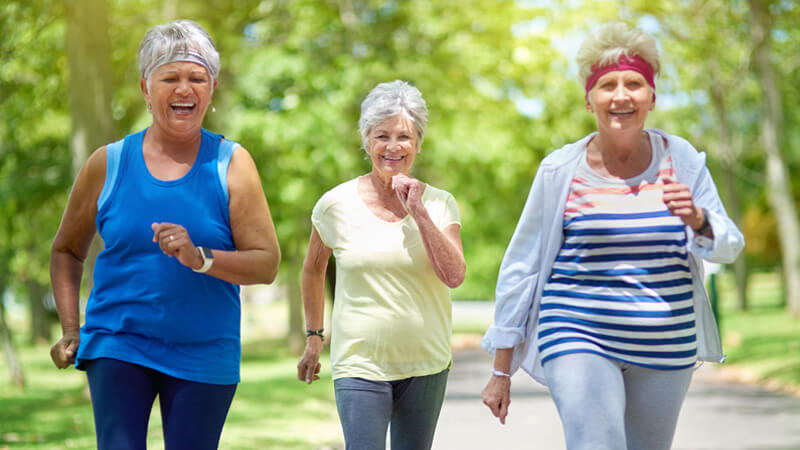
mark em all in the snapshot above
pixel 188 55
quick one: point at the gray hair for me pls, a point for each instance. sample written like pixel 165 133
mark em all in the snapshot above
pixel 611 41
pixel 179 40
pixel 389 99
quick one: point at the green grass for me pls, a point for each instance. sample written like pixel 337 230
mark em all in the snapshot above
pixel 271 408
pixel 762 343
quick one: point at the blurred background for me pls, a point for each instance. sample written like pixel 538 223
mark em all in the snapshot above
pixel 501 85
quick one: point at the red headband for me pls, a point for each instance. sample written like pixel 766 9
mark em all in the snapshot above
pixel 625 63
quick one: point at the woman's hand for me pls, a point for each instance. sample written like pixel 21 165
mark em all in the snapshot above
pixel 678 199
pixel 497 396
pixel 409 192
pixel 63 352
pixel 174 240
pixel 308 368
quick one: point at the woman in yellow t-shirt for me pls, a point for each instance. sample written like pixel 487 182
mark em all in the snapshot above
pixel 397 244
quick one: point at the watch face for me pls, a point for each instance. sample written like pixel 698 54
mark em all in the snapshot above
pixel 206 253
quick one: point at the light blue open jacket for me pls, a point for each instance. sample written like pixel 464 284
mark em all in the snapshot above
pixel 537 240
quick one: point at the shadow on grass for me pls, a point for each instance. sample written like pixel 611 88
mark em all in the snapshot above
pixel 271 408
pixel 45 417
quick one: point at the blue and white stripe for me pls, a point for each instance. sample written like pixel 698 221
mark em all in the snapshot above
pixel 621 285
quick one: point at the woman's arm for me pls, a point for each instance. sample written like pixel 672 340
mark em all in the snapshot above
pixel 497 393
pixel 257 253
pixel 313 288
pixel 443 247
pixel 69 250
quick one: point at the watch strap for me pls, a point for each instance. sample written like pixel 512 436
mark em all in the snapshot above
pixel 208 259
pixel 706 224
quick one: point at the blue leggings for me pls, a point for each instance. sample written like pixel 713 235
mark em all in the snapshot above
pixel 412 406
pixel 606 404
pixel 192 414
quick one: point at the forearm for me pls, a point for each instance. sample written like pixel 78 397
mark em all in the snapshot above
pixel 446 257
pixel 246 266
pixel 313 292
pixel 66 272
pixel 502 359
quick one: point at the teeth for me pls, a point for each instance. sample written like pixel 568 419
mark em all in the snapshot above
pixel 626 111
pixel 393 158
pixel 183 105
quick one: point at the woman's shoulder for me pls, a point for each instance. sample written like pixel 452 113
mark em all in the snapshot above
pixel 675 144
pixel 435 193
pixel 340 193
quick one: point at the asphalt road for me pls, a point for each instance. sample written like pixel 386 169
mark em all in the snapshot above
pixel 717 414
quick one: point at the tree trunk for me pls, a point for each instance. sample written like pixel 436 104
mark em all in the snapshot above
pixel 727 153
pixel 14 368
pixel 90 89
pixel 297 334
pixel 40 319
pixel 780 189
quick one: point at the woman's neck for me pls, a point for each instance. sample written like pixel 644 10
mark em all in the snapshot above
pixel 381 183
pixel 173 143
pixel 622 155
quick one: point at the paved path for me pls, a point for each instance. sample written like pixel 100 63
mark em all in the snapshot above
pixel 717 415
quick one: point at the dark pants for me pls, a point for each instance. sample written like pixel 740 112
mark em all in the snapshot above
pixel 412 405
pixel 192 413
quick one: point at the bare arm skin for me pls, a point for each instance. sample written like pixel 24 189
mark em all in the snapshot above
pixel 257 255
pixel 69 250
pixel 444 248
pixel 497 393
pixel 313 287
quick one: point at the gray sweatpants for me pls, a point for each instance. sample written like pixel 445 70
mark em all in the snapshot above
pixel 606 404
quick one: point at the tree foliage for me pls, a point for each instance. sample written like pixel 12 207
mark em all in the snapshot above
pixel 498 75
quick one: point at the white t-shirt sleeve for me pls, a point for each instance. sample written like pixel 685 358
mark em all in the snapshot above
pixel 322 221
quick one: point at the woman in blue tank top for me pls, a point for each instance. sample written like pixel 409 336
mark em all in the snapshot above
pixel 184 220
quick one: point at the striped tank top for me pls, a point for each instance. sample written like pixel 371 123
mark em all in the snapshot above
pixel 621 286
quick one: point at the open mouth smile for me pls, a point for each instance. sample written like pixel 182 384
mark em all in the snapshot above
pixel 622 112
pixel 182 107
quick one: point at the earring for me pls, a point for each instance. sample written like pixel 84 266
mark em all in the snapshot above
pixel 149 107
pixel 213 109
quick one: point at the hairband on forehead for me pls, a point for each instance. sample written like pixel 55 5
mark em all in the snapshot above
pixel 187 55
pixel 625 62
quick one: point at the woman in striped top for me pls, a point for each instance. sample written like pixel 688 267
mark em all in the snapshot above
pixel 600 293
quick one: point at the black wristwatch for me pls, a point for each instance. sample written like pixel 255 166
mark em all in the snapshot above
pixel 706 224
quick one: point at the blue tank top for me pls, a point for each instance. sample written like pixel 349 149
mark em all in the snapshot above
pixel 145 307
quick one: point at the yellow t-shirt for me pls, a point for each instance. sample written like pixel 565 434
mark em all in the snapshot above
pixel 392 316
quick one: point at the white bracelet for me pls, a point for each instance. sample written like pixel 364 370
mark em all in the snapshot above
pixel 500 373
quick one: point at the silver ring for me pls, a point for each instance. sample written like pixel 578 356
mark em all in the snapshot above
pixel 171 238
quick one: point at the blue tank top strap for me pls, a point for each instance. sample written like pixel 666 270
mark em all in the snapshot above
pixel 113 156
pixel 226 148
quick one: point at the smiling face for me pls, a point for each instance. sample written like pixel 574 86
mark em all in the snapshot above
pixel 179 94
pixel 620 100
pixel 392 146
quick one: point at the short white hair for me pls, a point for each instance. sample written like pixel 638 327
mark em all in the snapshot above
pixel 179 40
pixel 389 99
pixel 610 42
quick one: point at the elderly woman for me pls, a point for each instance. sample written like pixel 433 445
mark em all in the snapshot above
pixel 185 221
pixel 397 246
pixel 600 292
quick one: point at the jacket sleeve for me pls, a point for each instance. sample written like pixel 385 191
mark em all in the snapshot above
pixel 519 274
pixel 728 241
